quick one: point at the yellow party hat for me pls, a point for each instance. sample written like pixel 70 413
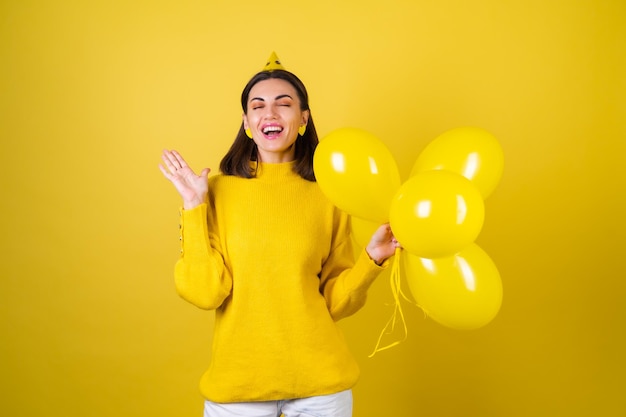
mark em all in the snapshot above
pixel 273 63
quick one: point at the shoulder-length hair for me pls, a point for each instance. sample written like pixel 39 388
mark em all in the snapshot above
pixel 243 150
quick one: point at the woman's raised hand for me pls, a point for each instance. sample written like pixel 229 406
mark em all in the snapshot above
pixel 191 187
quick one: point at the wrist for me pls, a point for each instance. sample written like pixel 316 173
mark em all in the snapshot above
pixel 191 204
pixel 373 255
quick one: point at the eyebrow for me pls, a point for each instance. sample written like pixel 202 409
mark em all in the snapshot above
pixel 277 97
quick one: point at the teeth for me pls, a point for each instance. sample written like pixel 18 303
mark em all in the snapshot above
pixel 272 129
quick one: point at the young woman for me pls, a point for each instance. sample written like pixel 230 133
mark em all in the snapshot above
pixel 272 255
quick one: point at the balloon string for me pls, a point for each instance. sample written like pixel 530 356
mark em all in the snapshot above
pixel 397 315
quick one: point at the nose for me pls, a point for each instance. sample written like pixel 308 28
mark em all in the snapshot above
pixel 270 112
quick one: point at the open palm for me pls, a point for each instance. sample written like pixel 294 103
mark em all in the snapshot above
pixel 193 188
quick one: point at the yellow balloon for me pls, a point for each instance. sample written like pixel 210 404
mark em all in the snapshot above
pixel 436 214
pixel 357 172
pixel 362 231
pixel 468 151
pixel 463 291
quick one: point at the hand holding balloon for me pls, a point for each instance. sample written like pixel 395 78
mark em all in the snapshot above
pixel 436 215
pixel 382 245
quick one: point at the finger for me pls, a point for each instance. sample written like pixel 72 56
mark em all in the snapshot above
pixel 179 159
pixel 165 172
pixel 174 161
pixel 170 160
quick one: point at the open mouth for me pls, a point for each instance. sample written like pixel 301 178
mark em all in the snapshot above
pixel 272 131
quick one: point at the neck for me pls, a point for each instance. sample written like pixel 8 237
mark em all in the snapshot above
pixel 288 155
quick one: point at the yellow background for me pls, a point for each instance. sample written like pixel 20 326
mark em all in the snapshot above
pixel 90 92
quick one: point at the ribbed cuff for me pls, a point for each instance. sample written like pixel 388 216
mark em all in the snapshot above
pixel 194 232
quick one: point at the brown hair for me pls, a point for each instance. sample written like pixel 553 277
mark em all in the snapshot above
pixel 243 150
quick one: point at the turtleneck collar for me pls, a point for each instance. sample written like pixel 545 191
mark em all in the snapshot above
pixel 279 170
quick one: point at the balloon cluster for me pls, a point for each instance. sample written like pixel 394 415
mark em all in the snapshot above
pixel 436 214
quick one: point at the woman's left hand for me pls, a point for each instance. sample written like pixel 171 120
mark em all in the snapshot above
pixel 382 244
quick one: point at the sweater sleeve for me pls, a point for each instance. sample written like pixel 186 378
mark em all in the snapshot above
pixel 344 282
pixel 200 275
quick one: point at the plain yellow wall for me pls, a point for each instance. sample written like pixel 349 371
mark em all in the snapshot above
pixel 91 91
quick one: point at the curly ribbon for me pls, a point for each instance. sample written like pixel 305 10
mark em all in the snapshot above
pixel 397 315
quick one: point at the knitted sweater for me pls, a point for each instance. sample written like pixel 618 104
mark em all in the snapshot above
pixel 274 258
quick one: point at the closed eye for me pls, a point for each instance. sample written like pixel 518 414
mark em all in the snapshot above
pixel 256 103
pixel 285 102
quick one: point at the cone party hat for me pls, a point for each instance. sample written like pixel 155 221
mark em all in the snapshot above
pixel 273 63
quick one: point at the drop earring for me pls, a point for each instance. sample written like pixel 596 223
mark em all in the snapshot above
pixel 248 133
pixel 301 130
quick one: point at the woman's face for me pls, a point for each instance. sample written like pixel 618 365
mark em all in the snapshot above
pixel 274 116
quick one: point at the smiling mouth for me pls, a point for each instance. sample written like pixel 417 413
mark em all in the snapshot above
pixel 272 131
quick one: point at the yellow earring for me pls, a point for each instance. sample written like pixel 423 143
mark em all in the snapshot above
pixel 301 130
pixel 248 133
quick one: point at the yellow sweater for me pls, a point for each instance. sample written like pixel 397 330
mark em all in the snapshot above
pixel 274 257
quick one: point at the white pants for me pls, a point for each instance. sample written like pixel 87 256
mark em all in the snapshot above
pixel 334 405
